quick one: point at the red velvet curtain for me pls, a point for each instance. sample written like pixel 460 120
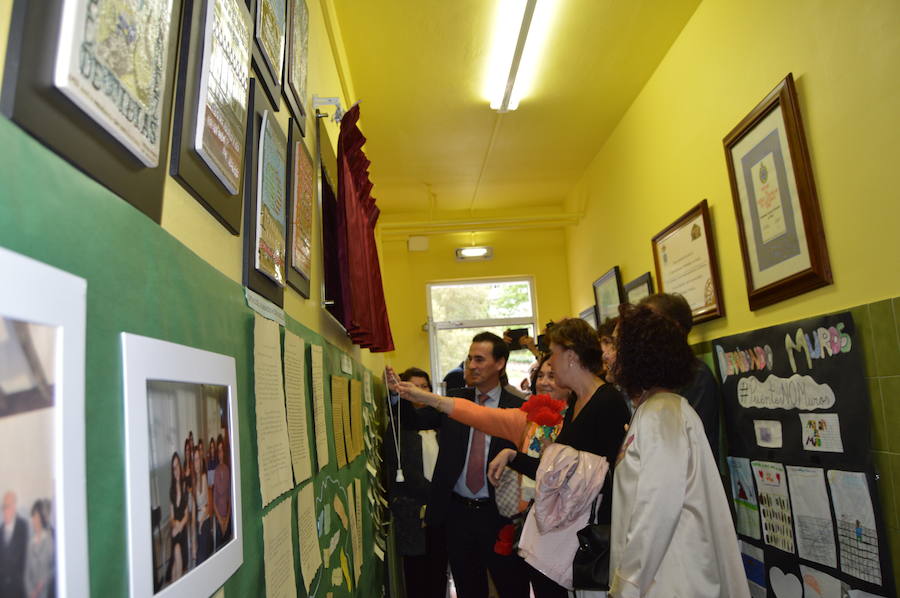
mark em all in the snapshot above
pixel 364 313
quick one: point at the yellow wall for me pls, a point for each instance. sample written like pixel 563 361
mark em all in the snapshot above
pixel 536 253
pixel 666 154
pixel 191 224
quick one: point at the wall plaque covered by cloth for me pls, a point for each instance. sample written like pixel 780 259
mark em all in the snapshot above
pixel 802 482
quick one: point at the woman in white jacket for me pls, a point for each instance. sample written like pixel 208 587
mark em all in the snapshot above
pixel 672 535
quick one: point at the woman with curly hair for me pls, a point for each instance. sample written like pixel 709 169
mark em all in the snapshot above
pixel 672 533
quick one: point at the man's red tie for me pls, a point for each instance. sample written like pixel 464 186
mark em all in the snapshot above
pixel 475 470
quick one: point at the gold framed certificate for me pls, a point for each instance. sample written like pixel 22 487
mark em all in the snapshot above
pixel 775 204
pixel 686 264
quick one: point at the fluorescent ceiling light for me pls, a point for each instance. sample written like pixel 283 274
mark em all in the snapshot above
pixel 474 253
pixel 520 33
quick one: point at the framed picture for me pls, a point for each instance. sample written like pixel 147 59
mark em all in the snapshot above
pixel 608 295
pixel 302 193
pixel 297 61
pixel 779 223
pixel 265 190
pixel 93 80
pixel 269 37
pixel 686 264
pixel 42 452
pixel 211 106
pixel 183 468
pixel 637 289
pixel 589 315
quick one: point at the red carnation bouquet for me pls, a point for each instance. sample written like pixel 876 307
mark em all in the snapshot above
pixel 547 413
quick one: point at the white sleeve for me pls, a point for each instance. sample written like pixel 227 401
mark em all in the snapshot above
pixel 663 449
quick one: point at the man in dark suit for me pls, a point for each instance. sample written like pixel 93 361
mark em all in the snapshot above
pixel 461 498
pixel 13 544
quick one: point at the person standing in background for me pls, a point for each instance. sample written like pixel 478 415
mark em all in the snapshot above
pixel 13 544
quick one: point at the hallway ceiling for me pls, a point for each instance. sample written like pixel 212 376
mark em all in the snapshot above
pixel 439 151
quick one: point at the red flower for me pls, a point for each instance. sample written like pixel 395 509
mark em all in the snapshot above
pixel 544 410
pixel 505 538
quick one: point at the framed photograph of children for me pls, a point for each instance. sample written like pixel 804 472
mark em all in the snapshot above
pixel 775 204
pixel 608 295
pixel 640 287
pixel 43 522
pixel 685 260
pixel 183 468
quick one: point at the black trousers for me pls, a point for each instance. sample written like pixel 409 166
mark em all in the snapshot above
pixel 471 534
pixel 426 574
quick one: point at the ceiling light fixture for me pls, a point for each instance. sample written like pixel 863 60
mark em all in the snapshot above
pixel 474 253
pixel 520 32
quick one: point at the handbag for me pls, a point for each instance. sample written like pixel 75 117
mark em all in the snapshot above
pixel 507 493
pixel 590 568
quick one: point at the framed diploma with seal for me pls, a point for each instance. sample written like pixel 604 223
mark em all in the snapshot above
pixel 640 287
pixel 608 295
pixel 779 223
pixel 686 263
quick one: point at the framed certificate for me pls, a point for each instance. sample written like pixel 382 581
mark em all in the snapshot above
pixel 775 204
pixel 297 61
pixel 269 40
pixel 608 295
pixel 301 198
pixel 637 289
pixel 685 262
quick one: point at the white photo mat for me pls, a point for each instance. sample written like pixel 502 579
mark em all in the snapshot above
pixel 146 359
pixel 37 293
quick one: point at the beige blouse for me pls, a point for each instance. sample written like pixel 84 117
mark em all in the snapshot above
pixel 672 535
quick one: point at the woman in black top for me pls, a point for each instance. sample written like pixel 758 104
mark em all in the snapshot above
pixel 180 517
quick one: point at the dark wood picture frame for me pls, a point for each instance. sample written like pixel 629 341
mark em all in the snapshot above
pixel 295 278
pixel 265 77
pixel 709 311
pixel 294 96
pixel 611 277
pixel 187 167
pixel 818 271
pixel 326 165
pixel 253 279
pixel 30 99
pixel 645 281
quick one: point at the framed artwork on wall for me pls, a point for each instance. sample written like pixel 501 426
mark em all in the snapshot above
pixel 637 289
pixel 93 81
pixel 265 208
pixel 269 40
pixel 302 197
pixel 686 264
pixel 178 402
pixel 42 425
pixel 608 295
pixel 211 106
pixel 779 223
pixel 297 61
pixel 589 315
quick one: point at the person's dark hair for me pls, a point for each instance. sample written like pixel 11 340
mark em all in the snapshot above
pixel 173 481
pixel 671 305
pixel 416 372
pixel 577 335
pixel 38 508
pixel 544 358
pixel 607 327
pixel 500 350
pixel 651 350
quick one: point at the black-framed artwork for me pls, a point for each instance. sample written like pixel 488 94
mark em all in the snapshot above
pixel 637 289
pixel 211 106
pixel 269 41
pixel 117 132
pixel 297 61
pixel 301 199
pixel 608 295
pixel 260 281
pixel 327 177
pixel 685 259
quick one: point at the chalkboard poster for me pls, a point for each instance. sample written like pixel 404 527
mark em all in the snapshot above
pixel 802 484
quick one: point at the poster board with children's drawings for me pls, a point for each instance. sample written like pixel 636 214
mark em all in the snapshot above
pixel 797 419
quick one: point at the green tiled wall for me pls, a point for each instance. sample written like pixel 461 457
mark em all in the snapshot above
pixel 878 330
